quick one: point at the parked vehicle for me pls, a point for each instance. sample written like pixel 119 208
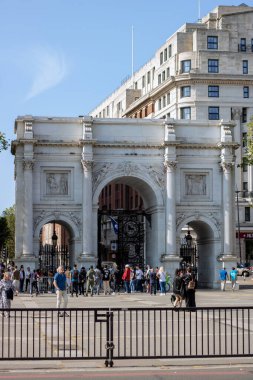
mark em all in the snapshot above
pixel 242 270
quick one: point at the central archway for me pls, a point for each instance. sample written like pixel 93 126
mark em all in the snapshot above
pixel 143 217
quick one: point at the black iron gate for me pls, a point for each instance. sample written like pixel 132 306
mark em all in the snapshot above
pixel 189 257
pixel 130 236
pixel 51 257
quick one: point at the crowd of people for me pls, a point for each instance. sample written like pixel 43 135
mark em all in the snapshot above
pixel 109 280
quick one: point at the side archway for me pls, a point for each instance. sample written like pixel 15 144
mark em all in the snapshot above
pixel 208 247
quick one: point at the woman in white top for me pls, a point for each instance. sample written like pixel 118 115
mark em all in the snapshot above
pixel 162 281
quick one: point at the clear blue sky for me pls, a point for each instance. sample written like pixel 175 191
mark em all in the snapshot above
pixel 62 57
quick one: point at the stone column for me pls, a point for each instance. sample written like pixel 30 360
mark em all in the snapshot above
pixel 28 208
pixel 170 217
pixel 228 209
pixel 87 209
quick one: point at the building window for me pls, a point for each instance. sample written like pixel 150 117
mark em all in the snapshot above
pixel 212 42
pixel 247 214
pixel 213 113
pixel 159 79
pixel 213 91
pixel 168 98
pixel 213 65
pixel 107 111
pixel 244 115
pixel 245 189
pixel 148 77
pixel 186 66
pixel 168 115
pixel 246 92
pixel 170 50
pixel 161 58
pixel 243 44
pixel 159 104
pixel 168 72
pixel 165 54
pixel 244 167
pixel 163 76
pixel 135 85
pixel 143 81
pixel 164 101
pixel 185 91
pixel 245 68
pixel 185 113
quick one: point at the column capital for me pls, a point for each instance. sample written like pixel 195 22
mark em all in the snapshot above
pixel 227 166
pixel 170 165
pixel 87 165
pixel 28 164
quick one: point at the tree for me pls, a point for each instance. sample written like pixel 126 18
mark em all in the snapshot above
pixel 3 142
pixel 9 222
pixel 248 159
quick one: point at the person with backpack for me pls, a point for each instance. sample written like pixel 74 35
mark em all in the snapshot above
pixel 90 281
pixel 177 288
pixel 233 277
pixel 190 286
pixel 74 280
pixel 82 280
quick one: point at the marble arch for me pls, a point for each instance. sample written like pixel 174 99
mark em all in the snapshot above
pixel 184 170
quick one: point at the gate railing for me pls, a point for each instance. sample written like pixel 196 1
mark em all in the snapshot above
pixel 130 333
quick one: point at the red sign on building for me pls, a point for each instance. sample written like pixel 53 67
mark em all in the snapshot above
pixel 245 235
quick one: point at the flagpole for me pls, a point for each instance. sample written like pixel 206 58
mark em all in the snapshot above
pixel 133 56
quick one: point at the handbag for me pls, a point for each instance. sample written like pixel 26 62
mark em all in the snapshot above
pixel 9 294
pixel 191 284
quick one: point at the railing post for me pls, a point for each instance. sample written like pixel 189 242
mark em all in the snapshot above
pixel 109 339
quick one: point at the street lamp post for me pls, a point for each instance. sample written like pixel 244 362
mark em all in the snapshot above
pixel 54 244
pixel 238 224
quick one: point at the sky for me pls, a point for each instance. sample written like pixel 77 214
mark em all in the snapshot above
pixel 63 57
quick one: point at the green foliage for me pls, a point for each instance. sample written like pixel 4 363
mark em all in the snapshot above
pixel 7 235
pixel 248 158
pixel 3 142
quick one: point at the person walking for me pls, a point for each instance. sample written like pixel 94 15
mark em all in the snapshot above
pixel 82 280
pixel 161 274
pixel 126 278
pixel 60 284
pixel 7 290
pixel 106 276
pixel 152 281
pixel 233 277
pixel 90 281
pixel 139 279
pixel 223 278
pixel 190 286
pixel 177 288
pixel 16 279
pixel 74 280
pixel 28 275
pixel 22 279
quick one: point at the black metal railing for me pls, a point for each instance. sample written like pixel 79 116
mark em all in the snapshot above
pixel 126 333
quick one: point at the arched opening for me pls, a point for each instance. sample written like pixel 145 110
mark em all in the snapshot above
pixel 128 222
pixel 55 241
pixel 197 249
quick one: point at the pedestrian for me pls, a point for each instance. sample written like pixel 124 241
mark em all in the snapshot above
pixel 68 277
pixel 139 279
pixel 90 281
pixel 190 286
pixel 126 278
pixel 161 275
pixel 16 279
pixel 82 280
pixel 132 280
pixel 178 288
pixel 60 284
pixel 34 283
pixel 28 275
pixel 233 277
pixel 22 279
pixel 223 278
pixel 74 280
pixel 97 281
pixel 106 276
pixel 7 290
pixel 152 281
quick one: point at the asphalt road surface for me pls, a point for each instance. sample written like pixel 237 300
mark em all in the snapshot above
pixel 244 373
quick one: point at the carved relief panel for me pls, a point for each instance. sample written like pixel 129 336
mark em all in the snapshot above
pixel 196 185
pixel 56 183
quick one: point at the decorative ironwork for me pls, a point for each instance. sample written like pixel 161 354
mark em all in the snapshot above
pixel 130 237
pixel 51 257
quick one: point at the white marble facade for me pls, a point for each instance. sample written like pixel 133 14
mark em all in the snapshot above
pixel 183 170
